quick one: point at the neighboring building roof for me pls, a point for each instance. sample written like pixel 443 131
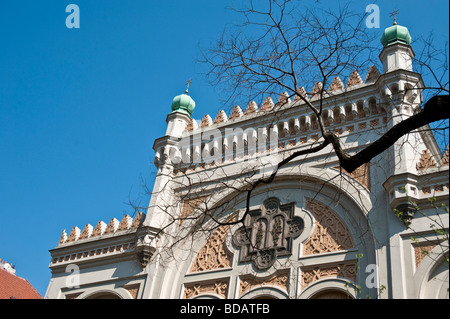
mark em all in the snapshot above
pixel 14 287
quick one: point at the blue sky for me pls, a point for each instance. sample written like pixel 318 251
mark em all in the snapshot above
pixel 80 108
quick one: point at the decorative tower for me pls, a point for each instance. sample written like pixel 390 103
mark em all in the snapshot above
pixel 401 88
pixel 167 157
pixel 396 53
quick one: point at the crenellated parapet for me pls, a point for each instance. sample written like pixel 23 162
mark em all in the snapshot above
pixel 284 100
pixel 114 227
pixel 127 239
pixel 283 125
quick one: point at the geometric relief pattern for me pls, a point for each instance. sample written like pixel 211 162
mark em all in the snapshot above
pixel 248 282
pixel 422 250
pixel 426 161
pixel 330 233
pixel 189 205
pixel 213 254
pixel 361 174
pixel 312 274
pixel 218 287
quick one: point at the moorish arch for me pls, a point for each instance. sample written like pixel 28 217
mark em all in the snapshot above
pixel 335 241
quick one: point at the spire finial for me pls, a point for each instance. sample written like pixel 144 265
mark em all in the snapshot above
pixel 393 14
pixel 187 88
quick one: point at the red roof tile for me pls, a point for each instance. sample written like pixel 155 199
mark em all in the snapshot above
pixel 12 286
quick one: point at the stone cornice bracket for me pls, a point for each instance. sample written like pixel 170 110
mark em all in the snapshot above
pixel 146 244
pixel 144 254
pixel 405 212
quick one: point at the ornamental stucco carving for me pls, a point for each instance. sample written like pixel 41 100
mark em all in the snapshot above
pixel 426 161
pixel 312 274
pixel 189 205
pixel 279 279
pixel 422 250
pixel 268 233
pixel 213 254
pixel 330 233
pixel 217 287
pixel 361 174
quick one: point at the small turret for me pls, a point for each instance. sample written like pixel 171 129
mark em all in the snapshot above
pixel 182 108
pixel 397 52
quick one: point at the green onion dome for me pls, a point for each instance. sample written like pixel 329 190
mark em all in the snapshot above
pixel 395 34
pixel 183 103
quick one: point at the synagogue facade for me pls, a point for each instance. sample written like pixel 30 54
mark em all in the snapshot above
pixel 314 231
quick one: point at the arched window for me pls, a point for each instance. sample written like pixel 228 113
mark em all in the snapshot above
pixel 104 295
pixel 332 294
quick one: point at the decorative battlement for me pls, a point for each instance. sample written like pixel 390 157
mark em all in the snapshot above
pixel 128 239
pixel 113 227
pixel 427 160
pixel 336 87
pixel 235 137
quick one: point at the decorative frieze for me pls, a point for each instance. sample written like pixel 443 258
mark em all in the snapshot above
pixel 341 270
pixel 249 282
pixel 105 250
pixel 336 87
pixel 285 130
pixel 218 287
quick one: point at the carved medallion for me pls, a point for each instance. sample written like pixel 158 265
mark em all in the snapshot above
pixel 268 233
